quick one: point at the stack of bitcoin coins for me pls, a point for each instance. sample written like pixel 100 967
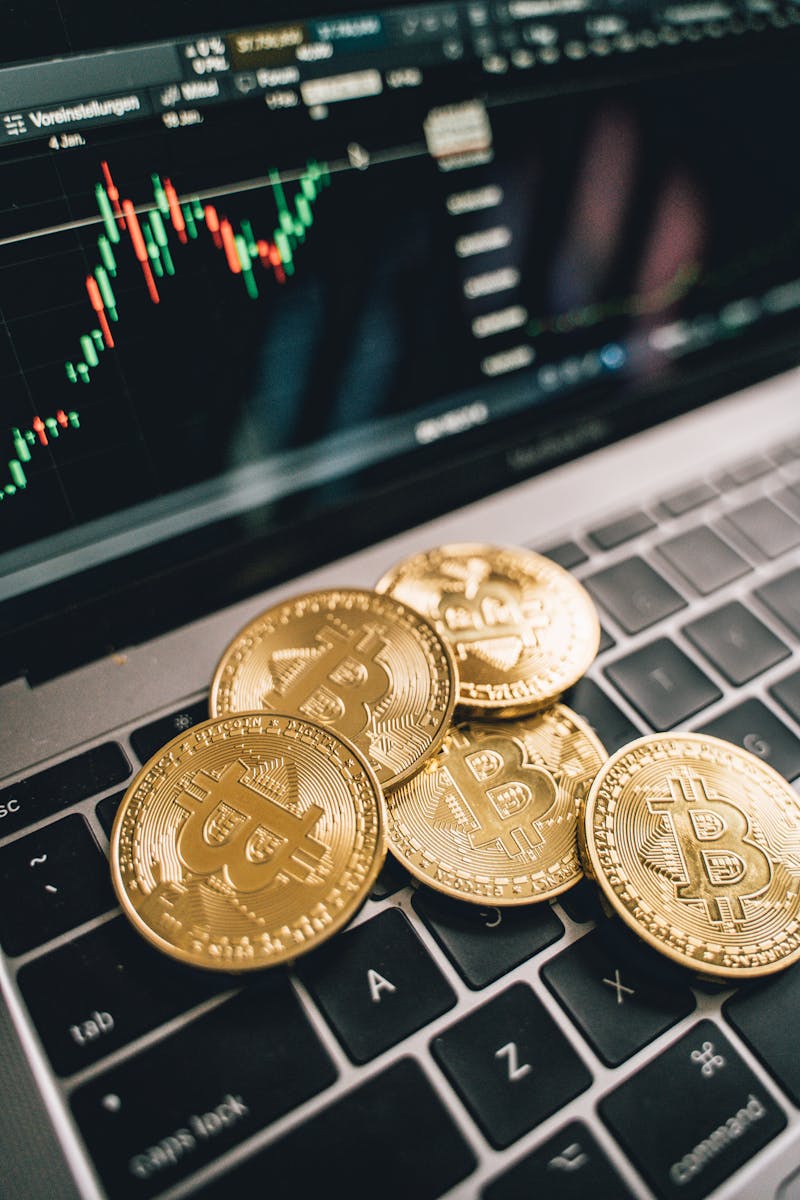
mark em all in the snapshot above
pixel 493 814
pixel 425 715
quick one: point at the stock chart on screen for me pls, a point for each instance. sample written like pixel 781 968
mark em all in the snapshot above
pixel 238 265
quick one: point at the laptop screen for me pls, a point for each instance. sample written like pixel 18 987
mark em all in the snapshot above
pixel 274 290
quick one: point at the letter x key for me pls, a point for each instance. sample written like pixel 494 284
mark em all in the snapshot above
pixel 617 983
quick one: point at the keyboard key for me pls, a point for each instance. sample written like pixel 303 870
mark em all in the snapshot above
pixel 566 554
pixel 703 559
pixel 790 1187
pixel 58 787
pixel 609 722
pixel 606 640
pixel 569 1166
pixel 789 497
pixel 484 943
pixel 783 597
pixel 662 683
pixel 736 642
pixel 106 810
pixel 104 989
pixel 634 594
pixel 623 529
pixel 768 528
pixel 618 1009
pixel 51 880
pixel 786 452
pixel 693 1116
pixel 683 501
pixel 752 726
pixel 155 1118
pixel 390 1138
pixel 150 738
pixel 766 1017
pixel 511 1064
pixel 391 879
pixel 744 472
pixel 376 984
pixel 787 693
pixel 581 902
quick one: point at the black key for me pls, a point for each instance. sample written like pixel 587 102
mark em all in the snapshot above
pixel 606 640
pixel 766 1017
pixel 744 472
pixel 569 1166
pixel 580 903
pixel 566 554
pixel 623 529
pixel 150 738
pixel 609 722
pixel 783 597
pixel 618 1009
pixel 376 984
pixel 106 810
pixel 752 726
pixel 58 787
pixel 392 877
pixel 787 693
pixel 704 559
pixel 766 527
pixel 693 1116
pixel 155 1118
pixel 390 1138
pixel 51 881
pixel 104 989
pixel 736 642
pixel 485 942
pixel 511 1064
pixel 683 501
pixel 634 594
pixel 662 683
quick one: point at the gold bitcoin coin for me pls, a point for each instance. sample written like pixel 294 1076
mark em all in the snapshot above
pixel 247 841
pixel 362 664
pixel 522 629
pixel 696 845
pixel 492 817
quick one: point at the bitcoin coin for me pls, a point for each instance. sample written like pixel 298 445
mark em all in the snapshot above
pixel 491 818
pixel 695 843
pixel 522 629
pixel 362 664
pixel 247 841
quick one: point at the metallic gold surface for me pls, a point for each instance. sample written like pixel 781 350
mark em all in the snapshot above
pixel 492 816
pixel 359 663
pixel 523 630
pixel 696 845
pixel 247 841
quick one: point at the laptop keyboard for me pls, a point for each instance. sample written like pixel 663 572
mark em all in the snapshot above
pixel 459 1043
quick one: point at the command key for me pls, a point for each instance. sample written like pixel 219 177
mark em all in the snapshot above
pixel 693 1116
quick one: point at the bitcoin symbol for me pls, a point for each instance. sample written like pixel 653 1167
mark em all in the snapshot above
pixel 731 868
pixel 339 683
pixel 514 794
pixel 489 613
pixel 245 834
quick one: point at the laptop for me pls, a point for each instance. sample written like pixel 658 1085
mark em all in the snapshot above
pixel 286 296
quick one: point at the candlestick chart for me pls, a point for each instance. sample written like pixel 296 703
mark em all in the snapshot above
pixel 148 230
pixel 149 234
pixel 41 432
